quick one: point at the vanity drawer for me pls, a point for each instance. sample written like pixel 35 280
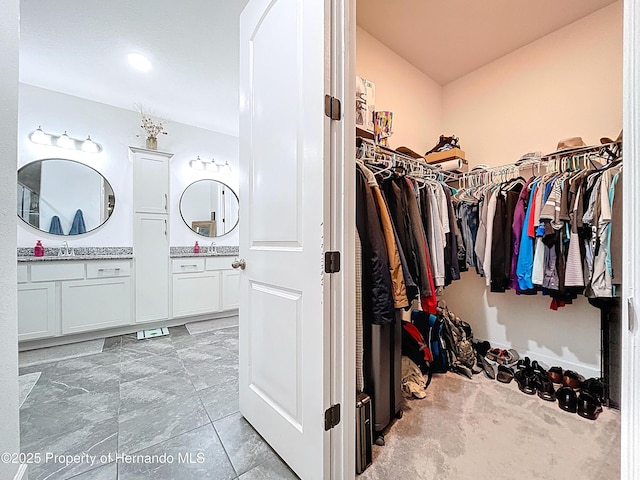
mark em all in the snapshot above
pixel 108 269
pixel 219 263
pixel 188 265
pixel 52 272
pixel 22 274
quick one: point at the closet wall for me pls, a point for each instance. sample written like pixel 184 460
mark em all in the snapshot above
pixel 413 97
pixel 568 83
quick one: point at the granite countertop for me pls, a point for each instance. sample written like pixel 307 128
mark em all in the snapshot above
pixel 51 254
pixel 219 251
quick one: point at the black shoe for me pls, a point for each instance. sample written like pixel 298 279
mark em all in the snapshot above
pixel 567 399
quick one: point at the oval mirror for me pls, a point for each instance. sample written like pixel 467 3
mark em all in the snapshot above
pixel 63 197
pixel 209 208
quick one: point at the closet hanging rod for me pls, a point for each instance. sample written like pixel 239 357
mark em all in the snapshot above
pixel 546 161
pixel 368 150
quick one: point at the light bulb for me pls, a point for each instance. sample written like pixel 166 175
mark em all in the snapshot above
pixel 212 166
pixel 64 141
pixel 197 164
pixel 40 137
pixel 90 146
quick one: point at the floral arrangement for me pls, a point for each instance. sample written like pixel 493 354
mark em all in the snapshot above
pixel 152 125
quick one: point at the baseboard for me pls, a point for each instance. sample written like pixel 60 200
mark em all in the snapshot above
pixel 123 330
pixel 22 473
pixel 550 361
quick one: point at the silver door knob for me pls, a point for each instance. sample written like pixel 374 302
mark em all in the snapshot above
pixel 239 264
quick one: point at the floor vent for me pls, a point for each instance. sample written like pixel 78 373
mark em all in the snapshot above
pixel 155 332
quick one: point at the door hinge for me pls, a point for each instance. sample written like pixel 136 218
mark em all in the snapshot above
pixel 332 417
pixel 331 262
pixel 332 107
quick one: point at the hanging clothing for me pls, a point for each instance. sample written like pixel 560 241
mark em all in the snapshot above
pixel 377 298
pixel 395 266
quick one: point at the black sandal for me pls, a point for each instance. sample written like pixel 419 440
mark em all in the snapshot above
pixel 505 374
pixel 525 380
pixel 545 387
pixel 589 406
pixel 567 399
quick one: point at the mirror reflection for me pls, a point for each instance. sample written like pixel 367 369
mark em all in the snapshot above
pixel 63 197
pixel 209 208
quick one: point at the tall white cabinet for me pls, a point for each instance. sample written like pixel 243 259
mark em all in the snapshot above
pixel 151 233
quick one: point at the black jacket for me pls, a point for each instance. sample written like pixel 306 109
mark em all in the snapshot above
pixel 377 297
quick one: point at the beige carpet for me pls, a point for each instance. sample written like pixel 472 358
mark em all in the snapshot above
pixel 482 429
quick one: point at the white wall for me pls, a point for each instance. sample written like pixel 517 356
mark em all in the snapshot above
pixel 9 419
pixel 414 98
pixel 568 83
pixel 116 129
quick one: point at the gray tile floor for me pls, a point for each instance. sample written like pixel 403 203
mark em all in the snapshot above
pixel 166 407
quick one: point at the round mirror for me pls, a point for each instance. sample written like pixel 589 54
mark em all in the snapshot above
pixel 63 197
pixel 209 208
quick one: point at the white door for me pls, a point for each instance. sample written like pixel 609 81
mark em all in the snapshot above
pixel 284 321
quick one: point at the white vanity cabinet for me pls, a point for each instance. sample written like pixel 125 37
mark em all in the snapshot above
pixel 150 181
pixel 203 285
pixel 102 300
pixel 151 233
pixel 37 310
pixel 67 297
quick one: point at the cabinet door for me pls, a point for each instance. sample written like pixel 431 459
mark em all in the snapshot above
pixel 36 311
pixel 95 304
pixel 195 293
pixel 230 289
pixel 150 181
pixel 151 250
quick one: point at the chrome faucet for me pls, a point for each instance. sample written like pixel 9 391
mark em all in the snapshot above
pixel 212 247
pixel 65 250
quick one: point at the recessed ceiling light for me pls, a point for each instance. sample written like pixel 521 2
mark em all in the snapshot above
pixel 140 62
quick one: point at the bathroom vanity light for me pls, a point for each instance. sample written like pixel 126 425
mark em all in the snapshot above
pixel 64 141
pixel 210 165
pixel 90 146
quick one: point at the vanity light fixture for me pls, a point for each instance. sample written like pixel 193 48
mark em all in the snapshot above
pixel 64 141
pixel 90 146
pixel 197 164
pixel 210 165
pixel 40 137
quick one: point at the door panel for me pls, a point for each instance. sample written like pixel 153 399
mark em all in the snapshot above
pixel 284 324
pixel 151 242
pixel 274 334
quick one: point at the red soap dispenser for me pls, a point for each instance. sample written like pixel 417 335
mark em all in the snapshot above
pixel 38 250
pixel 196 248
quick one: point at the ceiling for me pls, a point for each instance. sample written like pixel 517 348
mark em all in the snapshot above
pixel 446 39
pixel 80 48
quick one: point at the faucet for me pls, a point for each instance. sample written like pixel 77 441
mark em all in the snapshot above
pixel 64 249
pixel 212 247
